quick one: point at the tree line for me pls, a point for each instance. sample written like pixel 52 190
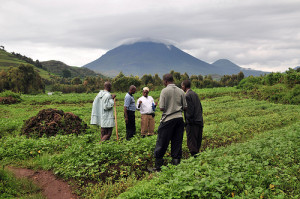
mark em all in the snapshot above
pixel 28 60
pixel 154 82
pixel 25 79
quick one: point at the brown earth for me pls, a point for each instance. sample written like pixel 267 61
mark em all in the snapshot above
pixel 52 187
pixel 8 100
pixel 49 122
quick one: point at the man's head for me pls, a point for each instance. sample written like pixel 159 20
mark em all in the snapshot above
pixel 132 89
pixel 107 86
pixel 185 85
pixel 168 79
pixel 145 91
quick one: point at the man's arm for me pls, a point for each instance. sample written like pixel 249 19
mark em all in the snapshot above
pixel 108 102
pixel 125 114
pixel 190 109
pixel 162 102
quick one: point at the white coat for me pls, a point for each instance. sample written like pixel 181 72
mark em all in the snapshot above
pixel 102 111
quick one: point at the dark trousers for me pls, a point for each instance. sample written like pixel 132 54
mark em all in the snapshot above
pixel 130 126
pixel 171 130
pixel 106 133
pixel 194 137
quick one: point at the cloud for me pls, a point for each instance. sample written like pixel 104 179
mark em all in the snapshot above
pixel 251 33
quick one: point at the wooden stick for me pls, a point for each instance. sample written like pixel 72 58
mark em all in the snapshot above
pixel 116 118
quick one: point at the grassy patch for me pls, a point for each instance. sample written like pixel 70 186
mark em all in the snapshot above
pixel 10 187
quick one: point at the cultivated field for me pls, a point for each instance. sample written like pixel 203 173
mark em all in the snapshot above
pixel 250 149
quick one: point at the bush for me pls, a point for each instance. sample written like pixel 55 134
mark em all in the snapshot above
pixel 250 83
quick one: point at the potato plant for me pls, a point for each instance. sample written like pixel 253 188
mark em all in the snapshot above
pixel 229 117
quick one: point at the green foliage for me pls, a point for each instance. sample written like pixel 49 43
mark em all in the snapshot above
pixel 76 81
pixel 122 82
pixel 250 83
pixel 274 87
pixel 10 187
pixel 57 67
pixel 108 189
pixel 265 167
pixel 9 97
pixel 22 79
pixel 65 88
pixel 27 60
pixel 9 93
pixel 232 80
pixel 113 166
pixel 66 73
pixel 292 77
pixel 273 78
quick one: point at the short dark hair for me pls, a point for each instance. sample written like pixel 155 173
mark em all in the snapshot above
pixel 168 78
pixel 107 85
pixel 186 83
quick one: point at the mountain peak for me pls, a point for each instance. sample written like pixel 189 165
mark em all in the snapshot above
pixel 141 57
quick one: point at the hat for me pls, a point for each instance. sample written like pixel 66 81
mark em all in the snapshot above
pixel 146 89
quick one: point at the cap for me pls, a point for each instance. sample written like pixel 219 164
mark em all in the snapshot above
pixel 146 89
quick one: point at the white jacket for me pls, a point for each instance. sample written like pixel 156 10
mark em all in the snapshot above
pixel 102 111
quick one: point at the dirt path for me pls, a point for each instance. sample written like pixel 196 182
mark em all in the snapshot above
pixel 52 187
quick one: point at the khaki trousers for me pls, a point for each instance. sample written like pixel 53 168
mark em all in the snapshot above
pixel 147 124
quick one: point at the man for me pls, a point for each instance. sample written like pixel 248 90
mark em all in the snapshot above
pixel 129 112
pixel 103 113
pixel 193 117
pixel 172 103
pixel 146 106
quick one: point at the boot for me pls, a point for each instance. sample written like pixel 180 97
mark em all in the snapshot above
pixel 175 161
pixel 194 154
pixel 158 163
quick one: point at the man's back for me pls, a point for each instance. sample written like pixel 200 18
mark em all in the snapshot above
pixel 172 100
pixel 194 110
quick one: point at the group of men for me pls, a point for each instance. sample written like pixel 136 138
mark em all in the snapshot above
pixel 172 102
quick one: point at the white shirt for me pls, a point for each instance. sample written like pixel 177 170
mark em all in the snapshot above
pixel 146 105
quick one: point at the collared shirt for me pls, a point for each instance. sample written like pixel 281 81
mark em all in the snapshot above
pixel 129 102
pixel 146 105
pixel 172 100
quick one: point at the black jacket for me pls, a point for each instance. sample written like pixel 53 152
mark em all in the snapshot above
pixel 193 114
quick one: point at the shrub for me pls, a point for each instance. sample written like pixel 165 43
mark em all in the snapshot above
pixel 250 83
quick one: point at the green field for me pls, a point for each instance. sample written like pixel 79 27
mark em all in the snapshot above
pixel 250 149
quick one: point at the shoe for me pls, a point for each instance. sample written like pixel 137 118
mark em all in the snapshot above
pixel 175 161
pixel 158 163
pixel 194 154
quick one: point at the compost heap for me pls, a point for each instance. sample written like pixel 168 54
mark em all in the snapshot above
pixel 9 100
pixel 50 122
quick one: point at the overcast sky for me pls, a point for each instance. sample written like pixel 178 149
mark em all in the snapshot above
pixel 257 34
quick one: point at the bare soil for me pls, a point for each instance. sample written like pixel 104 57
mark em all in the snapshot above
pixel 52 187
pixel 49 122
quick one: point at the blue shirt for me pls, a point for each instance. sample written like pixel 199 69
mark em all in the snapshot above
pixel 129 102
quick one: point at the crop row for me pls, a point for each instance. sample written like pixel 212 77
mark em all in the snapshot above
pixel 265 167
pixel 228 119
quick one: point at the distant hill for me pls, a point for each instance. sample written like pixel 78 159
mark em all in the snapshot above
pixel 234 69
pixel 8 60
pixel 150 57
pixel 57 67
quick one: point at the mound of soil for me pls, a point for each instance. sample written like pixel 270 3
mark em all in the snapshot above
pixel 8 100
pixel 50 122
